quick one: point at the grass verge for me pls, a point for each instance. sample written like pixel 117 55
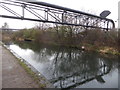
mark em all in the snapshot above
pixel 38 79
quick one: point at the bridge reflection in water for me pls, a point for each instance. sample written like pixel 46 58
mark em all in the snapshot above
pixel 68 67
pixel 77 67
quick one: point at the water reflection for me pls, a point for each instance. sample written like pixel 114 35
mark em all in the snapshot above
pixel 69 68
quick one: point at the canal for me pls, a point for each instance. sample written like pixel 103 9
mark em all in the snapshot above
pixel 69 67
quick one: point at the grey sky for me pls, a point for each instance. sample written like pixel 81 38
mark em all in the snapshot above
pixel 91 6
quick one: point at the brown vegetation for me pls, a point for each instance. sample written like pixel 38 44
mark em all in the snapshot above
pixel 70 36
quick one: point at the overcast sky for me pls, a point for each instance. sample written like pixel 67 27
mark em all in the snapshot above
pixel 91 6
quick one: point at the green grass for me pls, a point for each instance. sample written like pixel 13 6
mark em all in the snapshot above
pixel 32 74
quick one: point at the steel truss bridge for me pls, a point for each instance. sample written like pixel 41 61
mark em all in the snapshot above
pixel 49 13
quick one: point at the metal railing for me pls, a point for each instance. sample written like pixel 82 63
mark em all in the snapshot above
pixel 49 13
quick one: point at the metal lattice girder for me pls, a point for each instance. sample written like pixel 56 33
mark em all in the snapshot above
pixel 44 12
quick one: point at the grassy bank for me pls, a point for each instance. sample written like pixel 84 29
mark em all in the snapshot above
pixel 36 78
pixel 93 39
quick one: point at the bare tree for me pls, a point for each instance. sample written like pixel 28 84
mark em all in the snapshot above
pixel 5 26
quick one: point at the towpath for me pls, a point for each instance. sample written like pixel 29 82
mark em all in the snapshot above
pixel 13 75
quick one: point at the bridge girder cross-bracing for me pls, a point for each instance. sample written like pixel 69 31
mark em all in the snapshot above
pixel 49 13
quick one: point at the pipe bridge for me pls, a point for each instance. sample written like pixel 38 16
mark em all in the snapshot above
pixel 49 13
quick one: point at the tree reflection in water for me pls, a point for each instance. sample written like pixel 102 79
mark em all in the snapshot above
pixel 72 67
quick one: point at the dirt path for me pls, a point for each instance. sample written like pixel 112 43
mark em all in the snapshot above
pixel 13 75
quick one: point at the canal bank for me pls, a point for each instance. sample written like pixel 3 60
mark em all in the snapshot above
pixel 16 73
pixel 0 67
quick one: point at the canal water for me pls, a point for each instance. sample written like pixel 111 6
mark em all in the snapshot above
pixel 68 67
